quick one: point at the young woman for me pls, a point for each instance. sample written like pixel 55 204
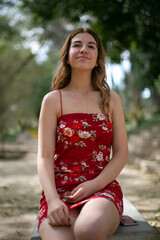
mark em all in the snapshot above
pixel 80 120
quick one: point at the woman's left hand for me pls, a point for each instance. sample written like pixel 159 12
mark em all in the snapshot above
pixel 82 191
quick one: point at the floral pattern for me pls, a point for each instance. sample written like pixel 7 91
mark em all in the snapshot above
pixel 75 134
pixel 83 149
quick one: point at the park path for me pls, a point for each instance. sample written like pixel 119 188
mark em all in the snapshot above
pixel 20 193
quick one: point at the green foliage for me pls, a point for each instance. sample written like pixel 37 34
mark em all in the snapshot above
pixel 120 21
pixel 23 81
pixel 22 95
pixel 121 25
pixel 153 120
pixel 132 25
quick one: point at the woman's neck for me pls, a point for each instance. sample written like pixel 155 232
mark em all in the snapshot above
pixel 81 81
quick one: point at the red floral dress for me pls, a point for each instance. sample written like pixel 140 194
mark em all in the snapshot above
pixel 83 148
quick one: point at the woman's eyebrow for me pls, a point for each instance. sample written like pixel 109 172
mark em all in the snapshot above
pixel 93 43
pixel 77 41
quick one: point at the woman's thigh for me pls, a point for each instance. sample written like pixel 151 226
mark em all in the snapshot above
pixel 48 232
pixel 98 218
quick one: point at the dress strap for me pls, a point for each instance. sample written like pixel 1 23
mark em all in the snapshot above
pixel 60 94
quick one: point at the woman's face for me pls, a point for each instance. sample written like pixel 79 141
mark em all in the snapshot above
pixel 83 52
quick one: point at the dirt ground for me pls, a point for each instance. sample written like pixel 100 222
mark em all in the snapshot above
pixel 20 193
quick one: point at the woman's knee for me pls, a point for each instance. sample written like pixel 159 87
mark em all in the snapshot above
pixel 97 221
pixel 87 230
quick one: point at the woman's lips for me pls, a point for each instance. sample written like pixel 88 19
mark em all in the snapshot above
pixel 82 57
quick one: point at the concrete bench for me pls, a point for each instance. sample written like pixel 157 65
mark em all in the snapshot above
pixel 143 231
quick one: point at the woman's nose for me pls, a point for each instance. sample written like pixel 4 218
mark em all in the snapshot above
pixel 84 49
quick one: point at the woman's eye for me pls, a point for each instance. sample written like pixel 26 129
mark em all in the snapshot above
pixel 76 45
pixel 91 47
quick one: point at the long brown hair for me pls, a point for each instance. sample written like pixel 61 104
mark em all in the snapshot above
pixel 63 75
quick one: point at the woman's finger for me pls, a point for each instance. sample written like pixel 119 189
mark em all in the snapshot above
pixel 64 219
pixel 66 212
pixel 75 190
pixel 56 219
pixel 52 221
pixel 75 196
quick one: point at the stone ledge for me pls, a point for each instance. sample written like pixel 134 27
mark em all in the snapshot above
pixel 141 232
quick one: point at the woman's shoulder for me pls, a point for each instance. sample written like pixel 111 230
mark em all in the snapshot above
pixel 51 97
pixel 114 96
pixel 51 101
pixel 115 99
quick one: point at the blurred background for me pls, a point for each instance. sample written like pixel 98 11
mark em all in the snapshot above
pixel 31 35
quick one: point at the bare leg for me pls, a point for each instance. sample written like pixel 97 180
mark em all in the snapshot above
pixel 48 232
pixel 98 220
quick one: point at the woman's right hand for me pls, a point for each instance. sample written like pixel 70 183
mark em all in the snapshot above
pixel 58 213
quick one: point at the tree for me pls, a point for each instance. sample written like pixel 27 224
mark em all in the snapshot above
pixel 123 24
pixel 23 81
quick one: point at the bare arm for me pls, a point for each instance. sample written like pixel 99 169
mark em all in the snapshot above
pixel 46 147
pixel 57 211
